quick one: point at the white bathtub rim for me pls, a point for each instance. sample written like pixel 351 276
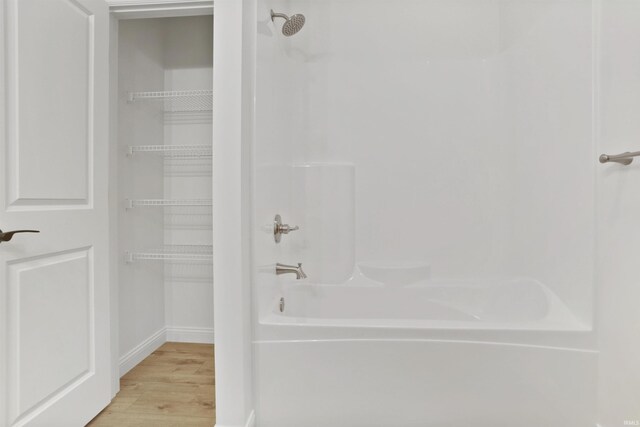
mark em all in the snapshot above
pixel 426 340
pixel 409 324
pixel 559 317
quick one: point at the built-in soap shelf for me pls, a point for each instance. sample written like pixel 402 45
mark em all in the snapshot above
pixel 177 100
pixel 136 203
pixel 175 253
pixel 173 151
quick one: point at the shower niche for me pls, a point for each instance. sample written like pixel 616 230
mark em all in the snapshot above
pixel 163 183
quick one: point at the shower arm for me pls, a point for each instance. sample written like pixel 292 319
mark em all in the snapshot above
pixel 278 15
pixel 624 158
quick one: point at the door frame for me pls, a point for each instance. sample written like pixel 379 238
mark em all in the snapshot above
pixel 234 76
pixel 234 86
pixel 118 10
pixel 232 140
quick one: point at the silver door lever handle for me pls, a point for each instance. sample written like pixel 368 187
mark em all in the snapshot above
pixel 623 159
pixel 5 236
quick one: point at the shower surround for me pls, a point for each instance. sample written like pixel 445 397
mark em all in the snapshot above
pixel 440 160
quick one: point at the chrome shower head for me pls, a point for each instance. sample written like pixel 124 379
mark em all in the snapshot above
pixel 292 24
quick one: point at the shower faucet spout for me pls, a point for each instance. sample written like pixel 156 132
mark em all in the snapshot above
pixel 291 269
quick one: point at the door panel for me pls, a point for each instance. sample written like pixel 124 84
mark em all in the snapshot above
pixel 54 296
pixel 53 290
pixel 51 105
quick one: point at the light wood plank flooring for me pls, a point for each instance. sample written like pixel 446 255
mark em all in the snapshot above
pixel 173 387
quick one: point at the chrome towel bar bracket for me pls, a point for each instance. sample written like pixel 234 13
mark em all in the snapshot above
pixel 624 158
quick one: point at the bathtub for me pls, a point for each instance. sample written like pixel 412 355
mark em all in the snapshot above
pixel 438 353
pixel 520 303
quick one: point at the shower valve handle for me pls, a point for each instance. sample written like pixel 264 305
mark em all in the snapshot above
pixel 279 228
pixel 286 228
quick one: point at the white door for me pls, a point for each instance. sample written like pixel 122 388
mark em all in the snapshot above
pixel 54 296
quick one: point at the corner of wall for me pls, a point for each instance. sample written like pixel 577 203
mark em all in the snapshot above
pixel 142 351
pixel 234 34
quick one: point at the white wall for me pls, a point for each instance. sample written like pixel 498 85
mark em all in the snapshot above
pixel 188 63
pixel 141 295
pixel 619 279
pixel 548 50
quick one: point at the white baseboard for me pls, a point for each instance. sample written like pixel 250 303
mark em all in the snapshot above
pixel 151 344
pixel 142 351
pixel 193 335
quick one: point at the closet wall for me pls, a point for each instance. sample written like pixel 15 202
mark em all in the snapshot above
pixel 141 293
pixel 188 65
pixel 164 185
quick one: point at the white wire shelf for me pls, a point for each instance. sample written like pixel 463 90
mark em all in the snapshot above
pixel 177 253
pixel 174 151
pixel 135 203
pixel 178 100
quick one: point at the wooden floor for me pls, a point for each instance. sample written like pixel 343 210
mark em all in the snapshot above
pixel 173 387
